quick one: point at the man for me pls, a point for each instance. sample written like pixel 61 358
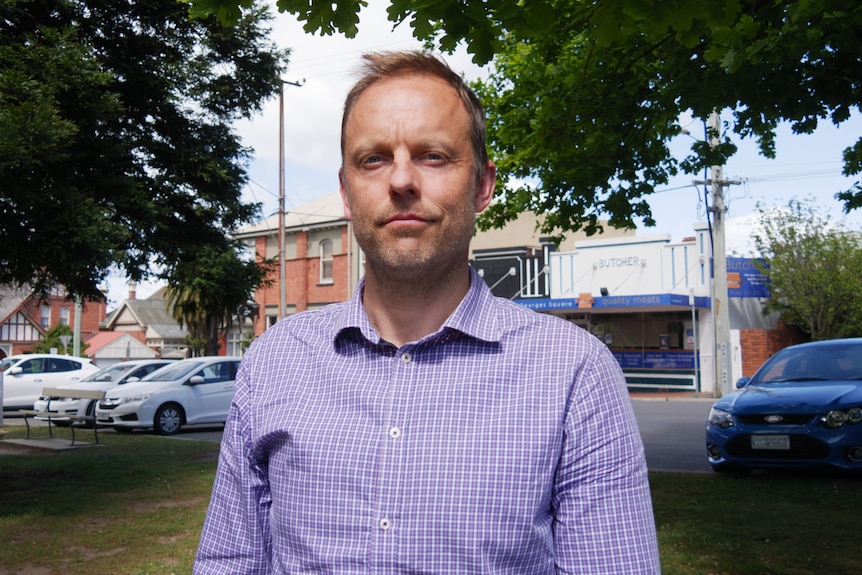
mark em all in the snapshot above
pixel 425 426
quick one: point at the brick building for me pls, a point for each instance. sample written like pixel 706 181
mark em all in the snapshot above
pixel 25 318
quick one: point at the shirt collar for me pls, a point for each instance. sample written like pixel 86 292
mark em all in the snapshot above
pixel 473 316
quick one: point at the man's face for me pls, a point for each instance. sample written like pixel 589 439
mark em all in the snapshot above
pixel 408 177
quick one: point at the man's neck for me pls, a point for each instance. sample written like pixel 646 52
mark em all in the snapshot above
pixel 405 311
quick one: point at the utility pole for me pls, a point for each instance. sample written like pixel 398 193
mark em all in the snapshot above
pixel 76 331
pixel 721 310
pixel 282 273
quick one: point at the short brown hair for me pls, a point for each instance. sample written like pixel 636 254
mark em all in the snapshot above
pixel 385 65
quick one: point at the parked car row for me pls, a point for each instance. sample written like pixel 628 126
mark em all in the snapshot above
pixel 163 395
pixel 103 380
pixel 187 392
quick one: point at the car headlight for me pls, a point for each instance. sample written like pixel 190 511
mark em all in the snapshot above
pixel 136 398
pixel 838 417
pixel 720 418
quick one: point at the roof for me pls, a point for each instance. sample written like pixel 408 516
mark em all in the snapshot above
pixel 11 299
pixel 151 314
pixel 327 210
pixel 101 339
pixel 114 344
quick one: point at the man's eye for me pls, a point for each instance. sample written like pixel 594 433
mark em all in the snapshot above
pixel 372 160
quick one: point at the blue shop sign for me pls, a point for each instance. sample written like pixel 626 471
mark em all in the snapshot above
pixel 745 280
pixel 647 300
pixel 663 360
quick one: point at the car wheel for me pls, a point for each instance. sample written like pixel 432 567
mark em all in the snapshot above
pixel 730 468
pixel 89 412
pixel 168 419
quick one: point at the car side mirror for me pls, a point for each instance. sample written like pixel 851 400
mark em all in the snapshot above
pixel 195 380
pixel 15 371
pixel 742 382
pixel 133 379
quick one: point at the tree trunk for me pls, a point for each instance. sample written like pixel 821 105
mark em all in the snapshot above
pixel 212 335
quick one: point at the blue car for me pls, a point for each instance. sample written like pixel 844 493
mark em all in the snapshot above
pixel 801 409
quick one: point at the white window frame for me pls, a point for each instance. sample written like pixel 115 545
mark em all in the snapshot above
pixel 326 248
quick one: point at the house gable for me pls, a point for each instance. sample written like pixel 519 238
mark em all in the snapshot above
pixel 18 328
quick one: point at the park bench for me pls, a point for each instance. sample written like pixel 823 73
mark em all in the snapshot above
pixel 53 393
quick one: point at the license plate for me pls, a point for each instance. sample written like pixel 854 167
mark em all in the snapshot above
pixel 770 442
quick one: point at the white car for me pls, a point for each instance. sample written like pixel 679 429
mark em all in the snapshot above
pixel 187 392
pixel 25 375
pixel 103 380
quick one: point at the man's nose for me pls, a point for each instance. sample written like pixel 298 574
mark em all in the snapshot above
pixel 402 179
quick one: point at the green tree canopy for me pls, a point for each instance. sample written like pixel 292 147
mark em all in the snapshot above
pixel 814 266
pixel 116 138
pixel 585 96
pixel 52 341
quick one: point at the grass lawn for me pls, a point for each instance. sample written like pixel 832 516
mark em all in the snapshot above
pixel 136 505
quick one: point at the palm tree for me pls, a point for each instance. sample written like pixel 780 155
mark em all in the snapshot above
pixel 205 291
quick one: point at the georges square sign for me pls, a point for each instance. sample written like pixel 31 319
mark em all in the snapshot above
pixel 623 301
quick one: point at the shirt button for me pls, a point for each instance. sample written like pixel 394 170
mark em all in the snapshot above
pixel 406 357
pixel 385 524
pixel 394 432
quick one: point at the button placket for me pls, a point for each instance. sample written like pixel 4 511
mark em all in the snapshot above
pixel 393 455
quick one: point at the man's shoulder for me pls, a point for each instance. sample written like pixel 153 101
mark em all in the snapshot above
pixel 310 325
pixel 512 314
pixel 519 322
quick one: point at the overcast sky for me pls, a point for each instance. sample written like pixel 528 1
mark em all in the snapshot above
pixel 325 65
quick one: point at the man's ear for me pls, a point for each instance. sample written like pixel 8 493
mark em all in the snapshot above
pixel 485 189
pixel 342 187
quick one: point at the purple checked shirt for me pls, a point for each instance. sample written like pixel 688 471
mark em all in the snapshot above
pixel 503 443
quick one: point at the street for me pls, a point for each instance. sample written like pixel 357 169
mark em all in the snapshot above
pixel 672 432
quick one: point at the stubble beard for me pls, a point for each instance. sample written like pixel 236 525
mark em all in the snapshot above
pixel 409 259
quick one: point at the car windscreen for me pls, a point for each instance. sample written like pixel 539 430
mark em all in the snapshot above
pixel 172 372
pixel 811 364
pixel 6 363
pixel 110 373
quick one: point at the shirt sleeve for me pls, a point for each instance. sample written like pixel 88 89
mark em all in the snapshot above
pixel 603 517
pixel 236 532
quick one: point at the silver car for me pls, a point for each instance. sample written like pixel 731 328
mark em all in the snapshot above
pixel 187 392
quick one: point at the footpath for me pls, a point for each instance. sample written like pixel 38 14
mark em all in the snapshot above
pixel 662 395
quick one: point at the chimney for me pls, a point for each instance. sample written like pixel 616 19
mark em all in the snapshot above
pixel 133 289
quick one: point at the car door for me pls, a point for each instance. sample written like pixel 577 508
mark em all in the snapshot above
pixel 60 370
pixel 209 400
pixel 22 388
